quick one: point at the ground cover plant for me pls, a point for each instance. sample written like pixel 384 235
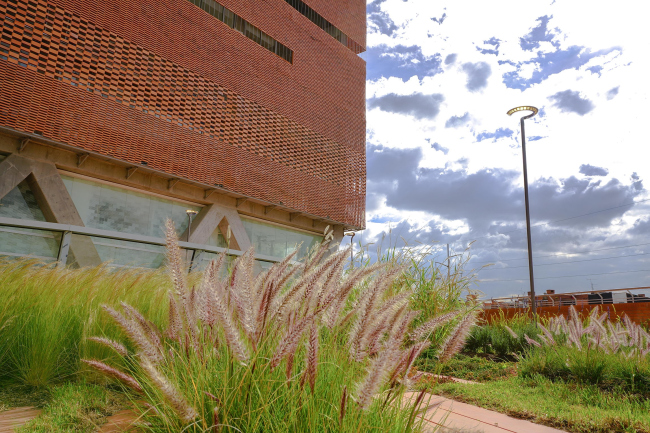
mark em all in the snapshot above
pixel 579 375
pixel 470 367
pixel 17 395
pixel 565 405
pixel 76 407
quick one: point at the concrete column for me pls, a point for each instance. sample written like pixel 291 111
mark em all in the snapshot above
pixel 13 170
pixel 52 197
pixel 204 224
pixel 54 200
pixel 338 235
pixel 213 216
pixel 239 239
pixel 336 240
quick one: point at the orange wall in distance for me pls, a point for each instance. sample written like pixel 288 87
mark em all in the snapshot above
pixel 638 312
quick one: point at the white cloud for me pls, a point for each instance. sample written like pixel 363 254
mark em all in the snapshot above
pixel 610 136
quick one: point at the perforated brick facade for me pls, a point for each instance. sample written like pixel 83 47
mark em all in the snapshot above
pixel 349 16
pixel 164 83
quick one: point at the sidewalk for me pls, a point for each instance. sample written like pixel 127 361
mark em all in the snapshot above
pixel 447 415
pixel 453 416
pixel 14 418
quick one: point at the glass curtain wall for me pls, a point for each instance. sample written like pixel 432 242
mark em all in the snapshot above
pixel 276 241
pixel 109 207
pixel 20 203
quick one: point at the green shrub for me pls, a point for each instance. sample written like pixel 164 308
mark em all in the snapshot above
pixel 436 291
pixel 588 366
pixel 47 312
pixel 495 339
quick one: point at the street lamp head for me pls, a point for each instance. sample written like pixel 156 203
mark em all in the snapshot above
pixel 191 212
pixel 349 233
pixel 524 108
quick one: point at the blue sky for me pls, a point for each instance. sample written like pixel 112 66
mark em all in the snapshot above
pixel 444 159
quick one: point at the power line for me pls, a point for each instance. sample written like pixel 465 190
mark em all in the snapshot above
pixel 566 254
pixel 569 276
pixel 566 219
pixel 566 263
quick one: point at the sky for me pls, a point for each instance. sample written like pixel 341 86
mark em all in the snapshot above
pixel 444 160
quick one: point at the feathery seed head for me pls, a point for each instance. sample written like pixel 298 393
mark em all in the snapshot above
pixel 114 373
pixel 175 399
pixel 118 347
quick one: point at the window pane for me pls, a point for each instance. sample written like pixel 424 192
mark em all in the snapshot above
pixel 118 209
pixel 278 241
pixel 228 17
pixel 252 32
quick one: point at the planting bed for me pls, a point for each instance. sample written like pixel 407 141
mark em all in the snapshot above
pixel 578 375
pixel 310 347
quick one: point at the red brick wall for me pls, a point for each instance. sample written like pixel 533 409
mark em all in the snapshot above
pixel 638 312
pixel 323 90
pixel 139 104
pixel 347 15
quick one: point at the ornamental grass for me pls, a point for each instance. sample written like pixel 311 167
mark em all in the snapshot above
pixel 298 347
pixel 597 351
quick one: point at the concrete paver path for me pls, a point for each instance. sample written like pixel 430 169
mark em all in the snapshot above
pixel 449 414
pixel 120 422
pixel 11 419
pixel 453 415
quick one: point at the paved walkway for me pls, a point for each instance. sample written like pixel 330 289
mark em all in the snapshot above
pixel 16 417
pixel 120 422
pixel 445 414
pixel 454 416
pixel 12 419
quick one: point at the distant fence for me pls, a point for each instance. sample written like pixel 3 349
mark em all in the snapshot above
pixel 615 303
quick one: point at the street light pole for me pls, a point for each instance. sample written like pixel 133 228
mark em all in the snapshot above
pixel 351 234
pixel 190 213
pixel 530 246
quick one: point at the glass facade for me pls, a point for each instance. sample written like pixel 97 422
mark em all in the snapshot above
pixel 109 207
pixel 20 203
pixel 276 241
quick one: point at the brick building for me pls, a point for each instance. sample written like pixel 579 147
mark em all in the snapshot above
pixel 119 114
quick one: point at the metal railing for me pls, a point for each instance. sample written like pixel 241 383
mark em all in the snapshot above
pixel 67 230
pixel 591 297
